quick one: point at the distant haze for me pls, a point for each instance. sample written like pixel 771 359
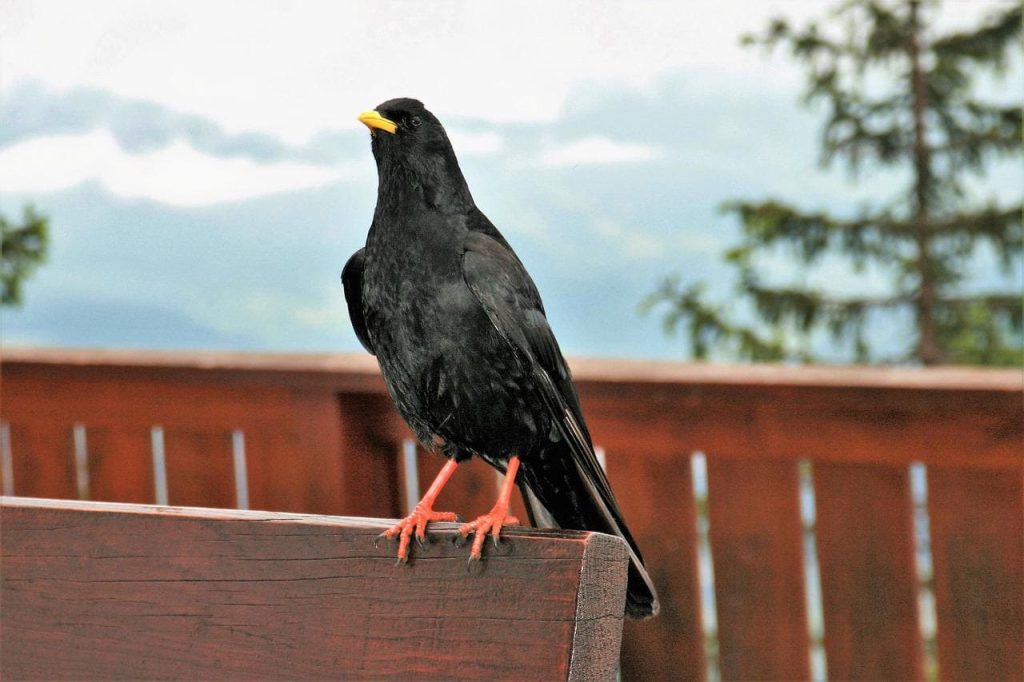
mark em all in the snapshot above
pixel 207 180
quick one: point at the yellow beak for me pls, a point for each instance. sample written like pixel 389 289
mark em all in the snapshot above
pixel 373 119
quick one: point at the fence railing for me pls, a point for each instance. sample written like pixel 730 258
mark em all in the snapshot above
pixel 856 523
pixel 94 590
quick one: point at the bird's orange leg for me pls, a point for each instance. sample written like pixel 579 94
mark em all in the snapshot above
pixel 421 515
pixel 492 521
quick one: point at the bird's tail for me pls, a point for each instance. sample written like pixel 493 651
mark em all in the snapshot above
pixel 563 497
pixel 568 489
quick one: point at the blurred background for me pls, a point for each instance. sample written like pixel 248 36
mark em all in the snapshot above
pixel 791 183
pixel 205 179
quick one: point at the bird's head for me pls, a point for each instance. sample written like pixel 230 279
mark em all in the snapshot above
pixel 411 147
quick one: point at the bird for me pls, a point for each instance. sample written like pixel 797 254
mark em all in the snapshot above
pixel 466 351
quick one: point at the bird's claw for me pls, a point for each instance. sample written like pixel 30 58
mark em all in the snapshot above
pixel 488 524
pixel 413 526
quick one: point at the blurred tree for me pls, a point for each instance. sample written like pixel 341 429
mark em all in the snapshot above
pixel 896 95
pixel 23 250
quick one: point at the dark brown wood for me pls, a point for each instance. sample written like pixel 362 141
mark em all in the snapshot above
pixel 868 580
pixel 199 467
pixel 322 436
pixel 977 526
pixel 42 459
pixel 94 591
pixel 757 545
pixel 372 435
pixel 120 464
pixel 876 425
pixel 663 521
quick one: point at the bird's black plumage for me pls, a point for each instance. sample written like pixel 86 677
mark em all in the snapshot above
pixel 461 336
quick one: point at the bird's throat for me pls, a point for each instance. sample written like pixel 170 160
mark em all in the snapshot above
pixel 438 186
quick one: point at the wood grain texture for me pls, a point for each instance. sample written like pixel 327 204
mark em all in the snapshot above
pixel 129 592
pixel 371 433
pixel 42 458
pixel 871 425
pixel 757 545
pixel 361 366
pixel 868 580
pixel 120 465
pixel 663 521
pixel 322 436
pixel 200 470
pixel 977 524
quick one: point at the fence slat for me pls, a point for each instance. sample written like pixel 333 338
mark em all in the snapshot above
pixel 756 544
pixel 977 527
pixel 868 581
pixel 200 470
pixel 43 459
pixel 656 496
pixel 370 477
pixel 120 465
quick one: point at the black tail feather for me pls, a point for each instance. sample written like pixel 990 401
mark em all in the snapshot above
pixel 557 496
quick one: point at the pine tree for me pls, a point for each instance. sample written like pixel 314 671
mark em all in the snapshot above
pixel 22 249
pixel 897 96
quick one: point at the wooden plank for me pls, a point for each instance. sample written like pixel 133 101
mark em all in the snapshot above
pixel 120 464
pixel 886 415
pixel 278 472
pixel 975 429
pixel 603 370
pixel 869 585
pixel 318 460
pixel 369 457
pixel 757 546
pixel 200 471
pixel 43 459
pixel 130 592
pixel 977 530
pixel 655 493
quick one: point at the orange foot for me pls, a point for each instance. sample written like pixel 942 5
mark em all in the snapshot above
pixel 417 521
pixel 490 522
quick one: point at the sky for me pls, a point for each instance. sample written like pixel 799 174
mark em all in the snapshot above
pixel 206 177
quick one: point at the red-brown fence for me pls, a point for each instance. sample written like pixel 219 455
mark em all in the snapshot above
pixel 106 591
pixel 318 434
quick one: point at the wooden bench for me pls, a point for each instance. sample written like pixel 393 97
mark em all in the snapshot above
pixel 873 516
pixel 99 591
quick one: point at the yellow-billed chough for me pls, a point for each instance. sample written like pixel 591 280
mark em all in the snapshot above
pixel 465 348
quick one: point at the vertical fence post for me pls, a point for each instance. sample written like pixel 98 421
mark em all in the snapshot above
pixel 156 441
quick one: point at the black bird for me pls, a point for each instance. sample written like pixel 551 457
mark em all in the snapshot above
pixel 465 348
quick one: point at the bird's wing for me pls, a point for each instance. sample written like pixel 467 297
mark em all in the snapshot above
pixel 503 287
pixel 352 281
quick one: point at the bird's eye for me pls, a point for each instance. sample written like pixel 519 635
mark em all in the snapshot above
pixel 415 122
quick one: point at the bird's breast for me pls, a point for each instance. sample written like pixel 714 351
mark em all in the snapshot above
pixel 448 370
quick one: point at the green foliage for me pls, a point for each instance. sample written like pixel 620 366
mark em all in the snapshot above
pixel 896 97
pixel 23 249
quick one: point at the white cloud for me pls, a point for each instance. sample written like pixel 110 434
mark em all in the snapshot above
pixel 177 174
pixel 476 144
pixel 292 69
pixel 597 150
pixel 631 243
